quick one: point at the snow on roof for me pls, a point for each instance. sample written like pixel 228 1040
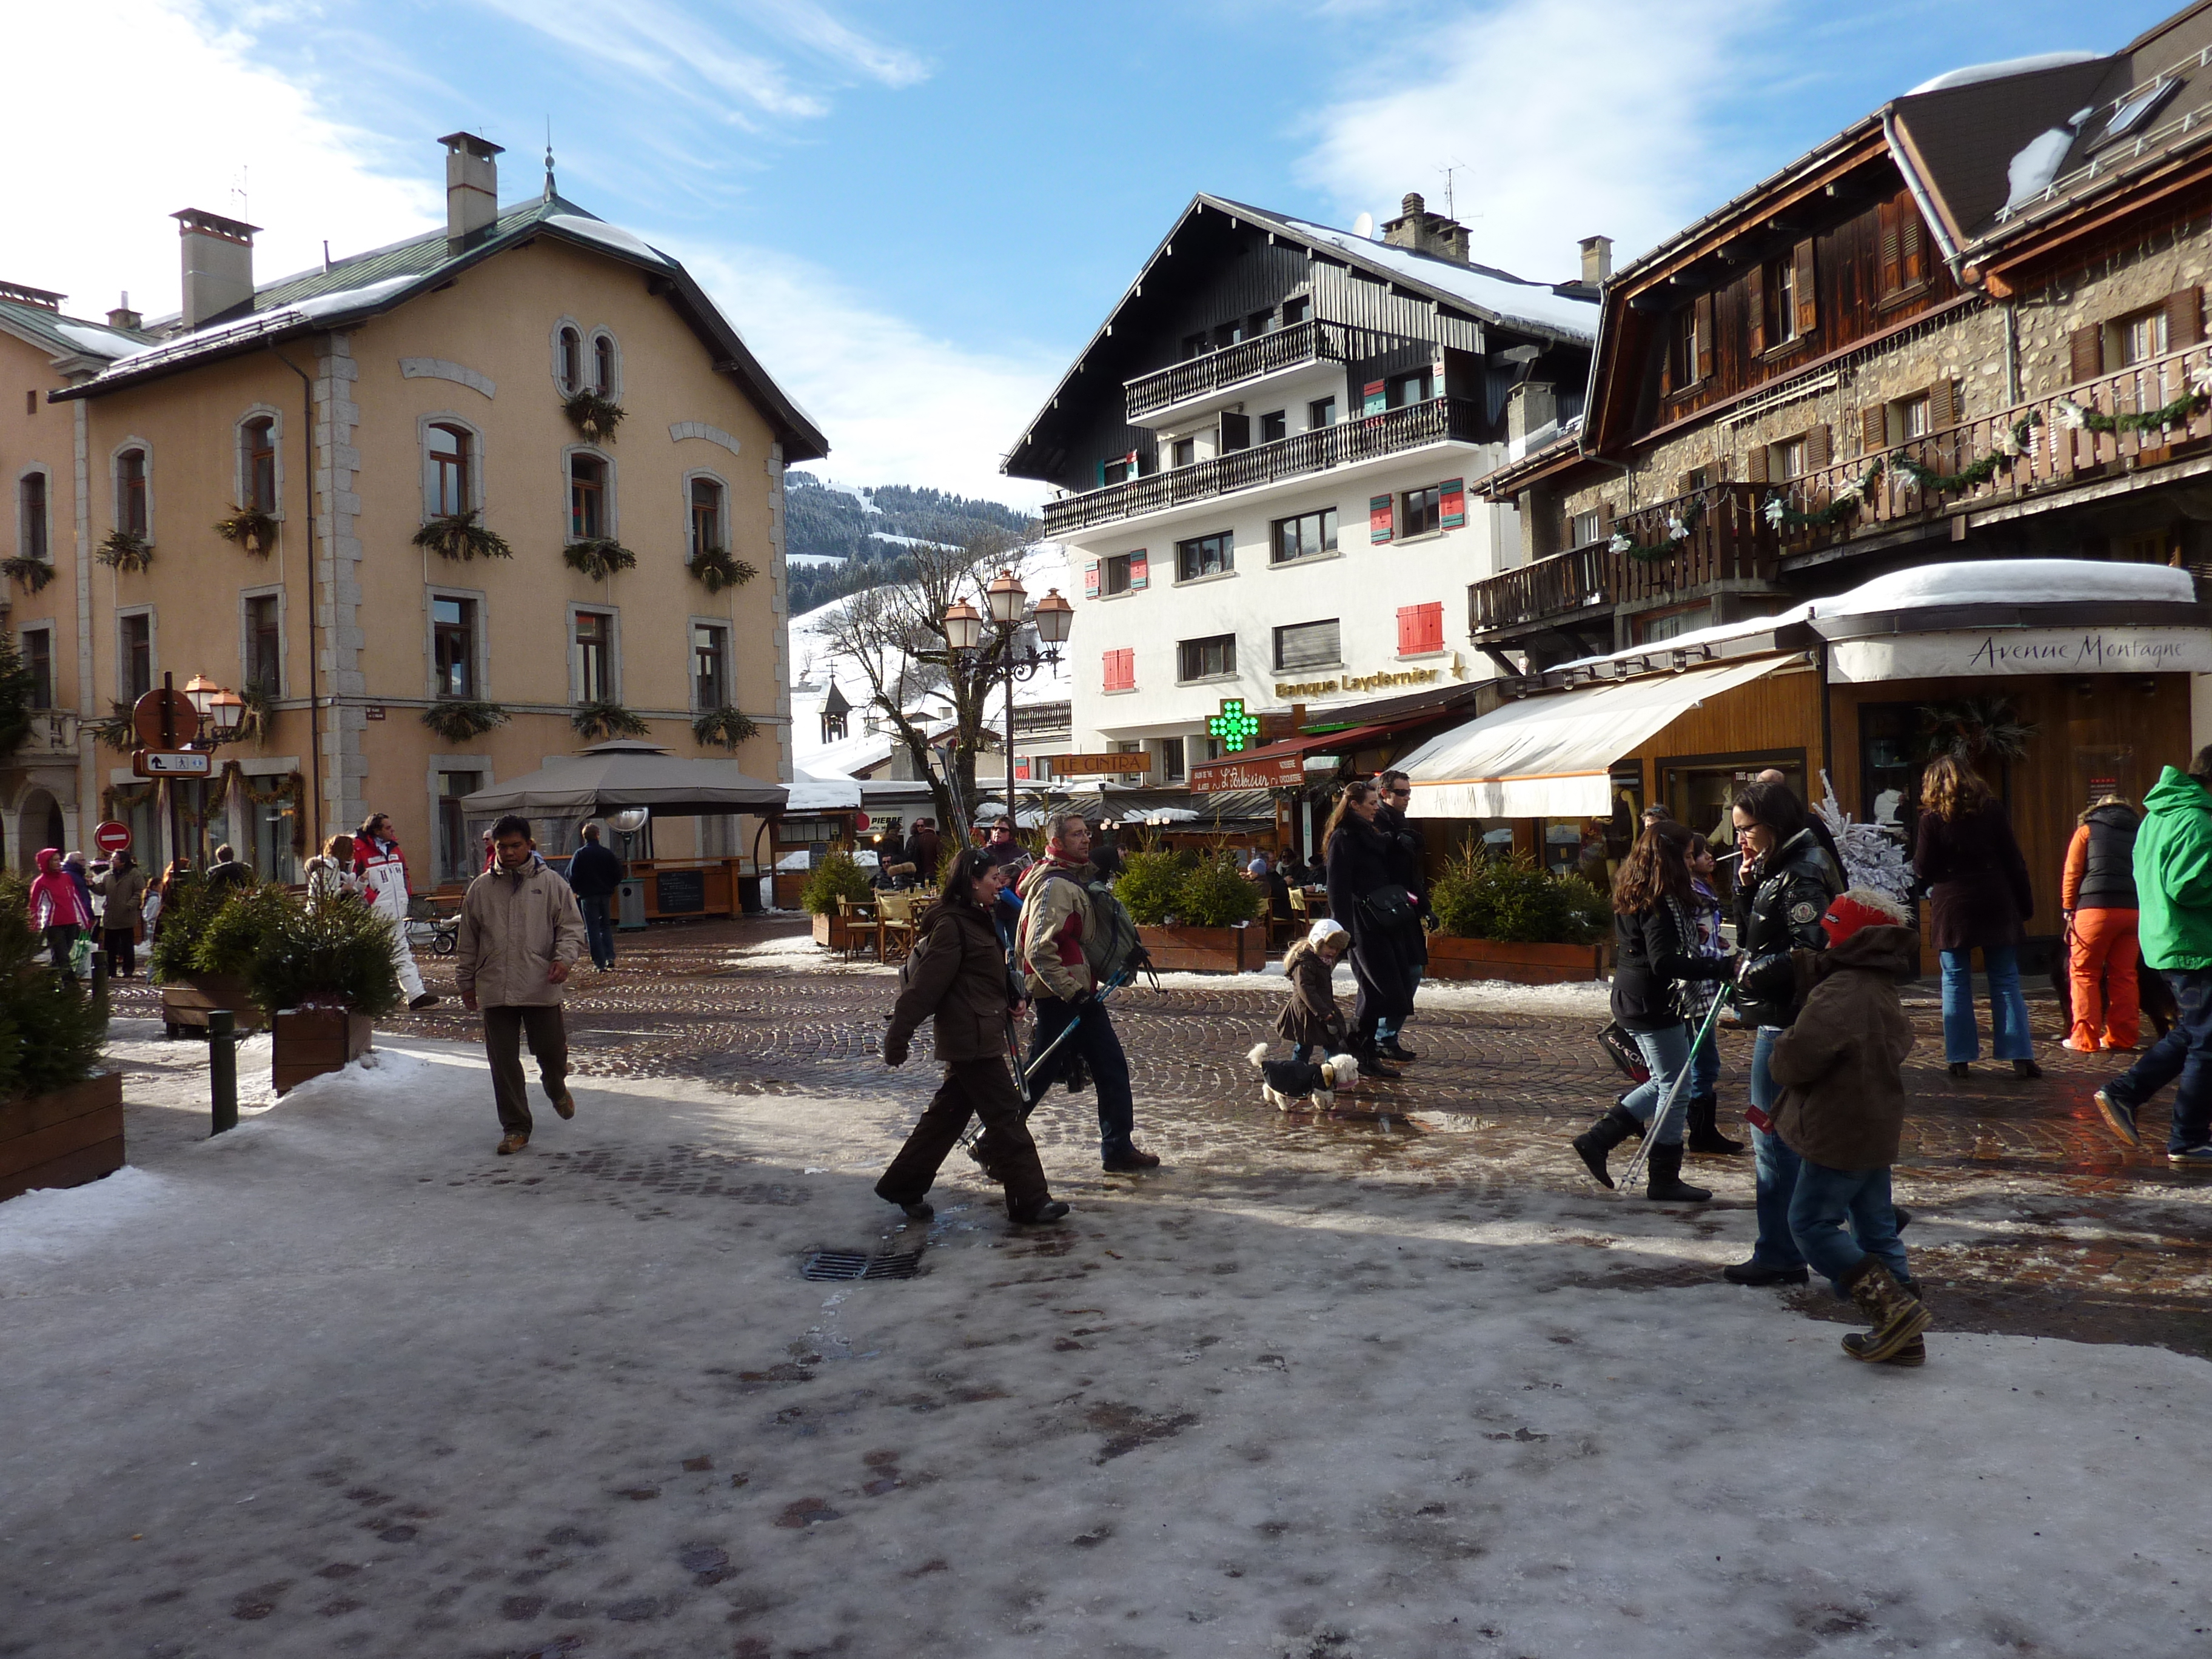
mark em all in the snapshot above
pixel 262 322
pixel 101 342
pixel 1997 71
pixel 2030 172
pixel 812 794
pixel 2013 581
pixel 1734 630
pixel 613 236
pixel 1495 292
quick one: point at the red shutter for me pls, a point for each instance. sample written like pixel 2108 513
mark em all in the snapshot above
pixel 1121 670
pixel 2185 318
pixel 1432 626
pixel 1420 628
pixel 1409 629
pixel 2086 348
pixel 1809 307
pixel 1090 579
pixel 1140 570
pixel 1705 326
pixel 1381 523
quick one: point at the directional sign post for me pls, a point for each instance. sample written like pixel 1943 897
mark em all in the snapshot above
pixel 172 762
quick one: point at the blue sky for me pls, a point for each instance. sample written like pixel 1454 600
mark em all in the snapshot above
pixel 919 212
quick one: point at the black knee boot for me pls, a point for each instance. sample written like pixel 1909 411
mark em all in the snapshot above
pixel 1601 1137
pixel 1705 1135
pixel 1662 1171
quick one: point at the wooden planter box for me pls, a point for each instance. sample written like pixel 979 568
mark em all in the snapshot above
pixel 310 1042
pixel 1207 950
pixel 62 1139
pixel 1523 965
pixel 835 932
pixel 186 1003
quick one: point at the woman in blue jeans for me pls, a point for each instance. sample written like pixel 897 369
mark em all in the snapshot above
pixel 1978 897
pixel 1656 921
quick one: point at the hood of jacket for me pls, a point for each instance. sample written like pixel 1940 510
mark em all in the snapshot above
pixel 2116 815
pixel 2175 792
pixel 49 861
pixel 1882 950
pixel 518 876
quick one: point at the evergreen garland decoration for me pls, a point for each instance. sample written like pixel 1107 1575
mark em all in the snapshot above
pixel 2079 417
pixel 2011 446
pixel 125 551
pixel 606 719
pixel 458 720
pixel 249 528
pixel 260 711
pixel 595 417
pixel 722 728
pixel 458 536
pixel 1679 526
pixel 117 731
pixel 598 557
pixel 1847 502
pixel 33 574
pixel 1972 728
pixel 715 567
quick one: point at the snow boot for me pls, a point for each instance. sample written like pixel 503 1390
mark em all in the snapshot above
pixel 1897 1316
pixel 1391 1049
pixel 1662 1177
pixel 1914 1353
pixel 1601 1138
pixel 1043 1212
pixel 1370 1056
pixel 1705 1137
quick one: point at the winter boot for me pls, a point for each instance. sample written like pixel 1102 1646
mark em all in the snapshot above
pixel 1914 1353
pixel 1390 1048
pixel 1705 1136
pixel 1370 1056
pixel 1663 1182
pixel 1601 1138
pixel 1897 1316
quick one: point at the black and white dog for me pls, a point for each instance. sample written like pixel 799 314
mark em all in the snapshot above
pixel 1290 1084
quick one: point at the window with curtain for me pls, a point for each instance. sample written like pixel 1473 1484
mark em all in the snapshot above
pixel 587 498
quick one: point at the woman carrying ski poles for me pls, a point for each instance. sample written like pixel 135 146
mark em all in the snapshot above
pixel 1656 921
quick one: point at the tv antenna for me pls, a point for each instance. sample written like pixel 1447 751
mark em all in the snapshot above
pixel 238 192
pixel 1448 168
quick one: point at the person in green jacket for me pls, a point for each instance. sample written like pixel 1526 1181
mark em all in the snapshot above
pixel 2173 890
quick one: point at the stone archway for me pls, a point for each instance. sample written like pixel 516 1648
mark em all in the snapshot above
pixel 38 824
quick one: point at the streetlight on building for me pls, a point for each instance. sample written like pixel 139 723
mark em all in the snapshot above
pixel 1009 603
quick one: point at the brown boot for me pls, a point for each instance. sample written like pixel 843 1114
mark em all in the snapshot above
pixel 514 1142
pixel 1897 1316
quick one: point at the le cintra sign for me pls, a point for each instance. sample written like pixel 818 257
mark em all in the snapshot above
pixel 1974 654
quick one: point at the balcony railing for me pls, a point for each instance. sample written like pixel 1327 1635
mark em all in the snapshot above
pixel 1366 438
pixel 1311 341
pixel 1725 538
pixel 1031 719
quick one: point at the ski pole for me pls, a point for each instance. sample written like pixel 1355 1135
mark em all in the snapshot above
pixel 1667 1106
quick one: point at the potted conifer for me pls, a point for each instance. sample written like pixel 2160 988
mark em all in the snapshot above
pixel 325 970
pixel 204 943
pixel 61 1118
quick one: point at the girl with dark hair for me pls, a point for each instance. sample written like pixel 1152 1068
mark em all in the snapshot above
pixel 1978 897
pixel 1368 894
pixel 1782 891
pixel 956 974
pixel 1656 922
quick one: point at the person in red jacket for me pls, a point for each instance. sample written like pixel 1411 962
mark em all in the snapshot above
pixel 56 911
pixel 385 888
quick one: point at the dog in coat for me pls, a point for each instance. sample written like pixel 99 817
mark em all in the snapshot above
pixel 1290 1084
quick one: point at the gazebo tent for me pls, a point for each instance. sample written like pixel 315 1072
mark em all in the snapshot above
pixel 610 776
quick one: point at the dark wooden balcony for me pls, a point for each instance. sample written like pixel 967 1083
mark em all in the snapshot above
pixel 1311 341
pixel 1724 537
pixel 1364 438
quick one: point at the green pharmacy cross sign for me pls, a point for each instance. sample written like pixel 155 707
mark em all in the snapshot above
pixel 1233 726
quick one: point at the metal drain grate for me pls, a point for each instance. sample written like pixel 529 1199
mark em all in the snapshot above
pixel 850 1264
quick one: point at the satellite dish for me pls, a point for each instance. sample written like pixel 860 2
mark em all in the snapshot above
pixel 1363 226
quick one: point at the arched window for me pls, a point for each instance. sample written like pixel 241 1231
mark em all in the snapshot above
pixel 603 364
pixel 448 460
pixel 257 455
pixel 572 361
pixel 706 535
pixel 130 492
pixel 587 498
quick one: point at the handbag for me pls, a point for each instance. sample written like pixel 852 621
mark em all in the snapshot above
pixel 81 956
pixel 1388 907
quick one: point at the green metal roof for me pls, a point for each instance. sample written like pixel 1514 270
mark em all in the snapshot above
pixel 55 333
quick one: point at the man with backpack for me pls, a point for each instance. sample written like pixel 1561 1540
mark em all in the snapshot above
pixel 1061 925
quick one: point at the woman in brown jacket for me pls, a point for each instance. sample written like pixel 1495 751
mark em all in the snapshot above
pixel 1310 1021
pixel 957 975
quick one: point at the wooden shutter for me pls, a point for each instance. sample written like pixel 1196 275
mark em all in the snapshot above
pixel 1893 269
pixel 1808 308
pixel 1704 320
pixel 2185 318
pixel 1819 448
pixel 1873 429
pixel 1913 245
pixel 2087 348
pixel 1409 629
pixel 1381 518
pixel 1754 464
pixel 1090 579
pixel 1140 570
pixel 1684 482
pixel 1943 406
pixel 1756 308
pixel 1432 626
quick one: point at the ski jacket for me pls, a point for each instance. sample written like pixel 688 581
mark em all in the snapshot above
pixel 1311 1015
pixel 55 901
pixel 1843 1092
pixel 2101 861
pixel 1778 907
pixel 956 977
pixel 515 924
pixel 1056 923
pixel 125 890
pixel 328 879
pixel 2174 874
pixel 382 868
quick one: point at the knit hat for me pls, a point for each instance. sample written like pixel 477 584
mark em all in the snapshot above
pixel 1324 930
pixel 1863 907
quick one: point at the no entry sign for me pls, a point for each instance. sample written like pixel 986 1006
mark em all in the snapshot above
pixel 111 836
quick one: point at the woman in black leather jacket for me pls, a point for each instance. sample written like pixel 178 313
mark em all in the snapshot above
pixel 1368 894
pixel 1782 891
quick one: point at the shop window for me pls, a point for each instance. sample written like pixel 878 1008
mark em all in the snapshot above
pixel 1304 535
pixel 1212 658
pixel 1700 790
pixel 39 662
pixel 1890 764
pixel 1206 555
pixel 453 638
pixel 275 821
pixel 1310 644
pixel 457 857
pixel 256 468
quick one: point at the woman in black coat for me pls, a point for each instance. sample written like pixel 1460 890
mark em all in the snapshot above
pixel 1367 894
pixel 1656 924
pixel 1978 896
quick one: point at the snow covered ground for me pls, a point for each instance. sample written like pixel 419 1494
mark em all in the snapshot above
pixel 343 1382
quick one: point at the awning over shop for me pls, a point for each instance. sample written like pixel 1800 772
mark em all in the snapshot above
pixel 1282 764
pixel 610 776
pixel 1550 757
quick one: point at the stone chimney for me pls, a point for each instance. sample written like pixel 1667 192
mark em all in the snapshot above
pixel 1424 232
pixel 471 189
pixel 123 316
pixel 1529 408
pixel 218 265
pixel 1597 259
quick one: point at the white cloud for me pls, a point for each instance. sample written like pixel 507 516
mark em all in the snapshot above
pixel 178 108
pixel 1589 118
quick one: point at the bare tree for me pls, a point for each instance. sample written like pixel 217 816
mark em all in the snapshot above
pixel 896 635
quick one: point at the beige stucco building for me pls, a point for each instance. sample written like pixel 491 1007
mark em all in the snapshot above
pixel 335 421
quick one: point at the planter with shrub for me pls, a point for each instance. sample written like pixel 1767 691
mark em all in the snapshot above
pixel 1196 912
pixel 205 941
pixel 839 876
pixel 61 1120
pixel 327 971
pixel 1508 918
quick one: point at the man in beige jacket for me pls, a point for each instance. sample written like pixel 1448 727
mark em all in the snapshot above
pixel 521 929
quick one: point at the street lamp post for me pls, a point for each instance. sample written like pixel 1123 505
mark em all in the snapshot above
pixel 1008 601
pixel 221 711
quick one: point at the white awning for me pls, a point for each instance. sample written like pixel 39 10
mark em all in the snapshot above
pixel 1550 757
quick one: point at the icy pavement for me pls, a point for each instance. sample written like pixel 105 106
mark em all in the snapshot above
pixel 342 1382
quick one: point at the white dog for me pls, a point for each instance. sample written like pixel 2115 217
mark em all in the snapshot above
pixel 1290 1084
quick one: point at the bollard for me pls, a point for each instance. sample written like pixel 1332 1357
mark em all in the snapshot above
pixel 222 1068
pixel 99 970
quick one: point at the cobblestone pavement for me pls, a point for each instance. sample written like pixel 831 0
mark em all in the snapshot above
pixel 2030 1219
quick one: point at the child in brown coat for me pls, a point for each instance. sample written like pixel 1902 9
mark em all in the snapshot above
pixel 1310 1021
